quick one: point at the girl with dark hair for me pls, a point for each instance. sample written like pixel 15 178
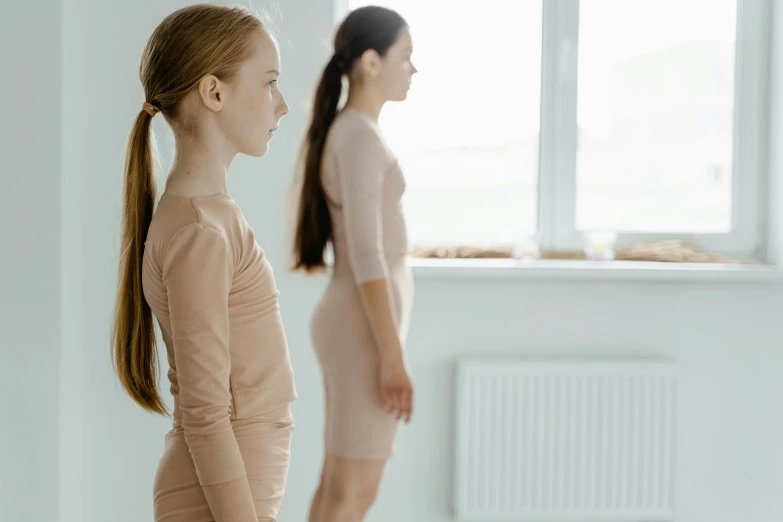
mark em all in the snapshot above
pixel 351 196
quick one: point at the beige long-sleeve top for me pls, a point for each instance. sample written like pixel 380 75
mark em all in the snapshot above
pixel 364 185
pixel 214 295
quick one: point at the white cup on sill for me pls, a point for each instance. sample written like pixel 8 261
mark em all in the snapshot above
pixel 527 248
pixel 599 245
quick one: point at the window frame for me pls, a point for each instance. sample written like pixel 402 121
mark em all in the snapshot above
pixel 557 170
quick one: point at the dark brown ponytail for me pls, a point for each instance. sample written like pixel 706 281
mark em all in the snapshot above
pixel 314 225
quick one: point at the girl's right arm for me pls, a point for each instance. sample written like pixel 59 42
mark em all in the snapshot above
pixel 197 274
pixel 362 163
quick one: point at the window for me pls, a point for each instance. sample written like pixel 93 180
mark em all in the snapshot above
pixel 655 115
pixel 563 116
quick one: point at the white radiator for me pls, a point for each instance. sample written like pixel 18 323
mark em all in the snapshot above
pixel 565 441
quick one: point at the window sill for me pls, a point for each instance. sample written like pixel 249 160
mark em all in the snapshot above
pixel 594 270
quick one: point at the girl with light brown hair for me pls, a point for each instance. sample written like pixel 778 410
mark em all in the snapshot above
pixel 193 264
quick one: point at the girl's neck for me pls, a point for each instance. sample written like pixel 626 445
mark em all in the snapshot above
pixel 200 167
pixel 362 101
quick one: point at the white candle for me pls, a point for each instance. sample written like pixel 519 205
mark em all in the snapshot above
pixel 599 245
pixel 526 249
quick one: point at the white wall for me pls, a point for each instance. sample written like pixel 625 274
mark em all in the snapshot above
pixel 726 336
pixel 30 153
pixel 775 145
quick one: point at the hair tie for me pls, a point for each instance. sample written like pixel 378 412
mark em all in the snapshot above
pixel 337 62
pixel 150 109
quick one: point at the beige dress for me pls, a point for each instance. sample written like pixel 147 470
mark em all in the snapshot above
pixel 364 187
pixel 214 296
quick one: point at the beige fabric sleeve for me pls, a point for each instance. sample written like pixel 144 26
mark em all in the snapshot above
pixel 362 163
pixel 197 274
